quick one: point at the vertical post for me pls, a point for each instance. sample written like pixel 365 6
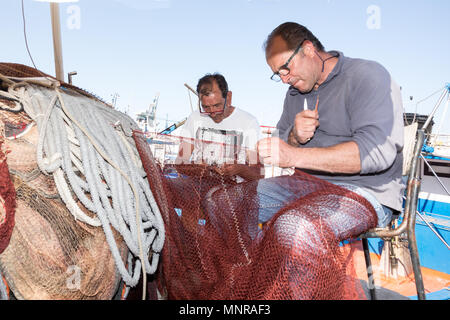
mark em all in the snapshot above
pixel 430 117
pixel 57 47
pixel 415 189
pixel 370 278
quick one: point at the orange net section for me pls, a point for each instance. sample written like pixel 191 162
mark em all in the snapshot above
pixel 214 248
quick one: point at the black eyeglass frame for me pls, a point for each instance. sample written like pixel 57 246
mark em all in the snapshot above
pixel 276 75
pixel 200 108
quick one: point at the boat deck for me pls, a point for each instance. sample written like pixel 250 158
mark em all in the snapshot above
pixel 437 284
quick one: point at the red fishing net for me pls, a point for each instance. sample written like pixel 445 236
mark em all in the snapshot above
pixel 214 248
pixel 7 202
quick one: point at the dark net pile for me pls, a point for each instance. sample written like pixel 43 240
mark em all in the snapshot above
pixel 214 248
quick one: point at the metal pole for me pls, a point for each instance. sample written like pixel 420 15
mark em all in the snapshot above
pixel 370 279
pixel 187 86
pixel 430 117
pixel 57 47
pixel 415 181
pixel 435 175
pixel 70 75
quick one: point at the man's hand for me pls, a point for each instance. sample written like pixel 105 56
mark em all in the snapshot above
pixel 248 172
pixel 228 169
pixel 184 153
pixel 305 125
pixel 276 152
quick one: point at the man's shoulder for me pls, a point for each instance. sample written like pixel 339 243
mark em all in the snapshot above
pixel 364 73
pixel 244 114
pixel 196 118
pixel 193 121
pixel 363 67
pixel 194 115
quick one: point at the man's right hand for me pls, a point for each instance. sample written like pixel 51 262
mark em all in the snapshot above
pixel 305 125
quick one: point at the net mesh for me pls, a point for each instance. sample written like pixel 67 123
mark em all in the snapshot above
pixel 7 201
pixel 53 257
pixel 48 254
pixel 214 248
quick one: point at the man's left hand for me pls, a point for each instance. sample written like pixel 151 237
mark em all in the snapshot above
pixel 248 172
pixel 276 152
pixel 228 169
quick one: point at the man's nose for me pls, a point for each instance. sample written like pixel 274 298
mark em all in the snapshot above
pixel 285 79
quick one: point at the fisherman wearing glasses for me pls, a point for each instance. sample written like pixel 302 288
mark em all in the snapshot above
pixel 220 134
pixel 341 121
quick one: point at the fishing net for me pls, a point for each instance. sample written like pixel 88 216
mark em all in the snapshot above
pixel 7 201
pixel 48 255
pixel 77 221
pixel 52 256
pixel 215 248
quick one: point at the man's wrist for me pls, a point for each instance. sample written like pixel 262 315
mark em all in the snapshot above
pixel 296 141
pixel 292 139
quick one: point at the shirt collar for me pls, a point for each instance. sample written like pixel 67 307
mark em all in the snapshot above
pixel 336 70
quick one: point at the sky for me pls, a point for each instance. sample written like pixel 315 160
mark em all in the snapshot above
pixel 135 49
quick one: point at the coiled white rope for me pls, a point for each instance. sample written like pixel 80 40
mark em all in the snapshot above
pixel 80 137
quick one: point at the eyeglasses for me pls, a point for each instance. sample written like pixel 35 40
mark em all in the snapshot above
pixel 284 69
pixel 203 109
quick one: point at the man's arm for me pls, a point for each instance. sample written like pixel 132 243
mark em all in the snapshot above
pixel 377 120
pixel 248 172
pixel 252 170
pixel 376 126
pixel 292 140
pixel 184 152
pixel 342 158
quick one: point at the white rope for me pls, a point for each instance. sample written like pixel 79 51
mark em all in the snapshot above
pixel 17 107
pixel 81 138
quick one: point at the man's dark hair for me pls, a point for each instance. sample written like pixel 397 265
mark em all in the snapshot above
pixel 294 34
pixel 208 80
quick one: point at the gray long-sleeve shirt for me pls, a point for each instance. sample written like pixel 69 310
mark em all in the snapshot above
pixel 360 102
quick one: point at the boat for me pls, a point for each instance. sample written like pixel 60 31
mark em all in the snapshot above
pixel 163 144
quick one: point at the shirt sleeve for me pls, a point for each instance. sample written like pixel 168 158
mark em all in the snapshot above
pixel 286 122
pixel 252 134
pixel 373 109
pixel 187 130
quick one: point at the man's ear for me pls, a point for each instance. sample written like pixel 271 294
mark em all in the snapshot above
pixel 229 96
pixel 308 49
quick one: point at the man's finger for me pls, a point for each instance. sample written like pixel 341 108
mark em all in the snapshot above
pixel 313 114
pixel 262 145
pixel 267 147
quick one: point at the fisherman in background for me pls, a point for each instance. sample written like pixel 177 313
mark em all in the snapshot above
pixel 220 134
pixel 341 121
